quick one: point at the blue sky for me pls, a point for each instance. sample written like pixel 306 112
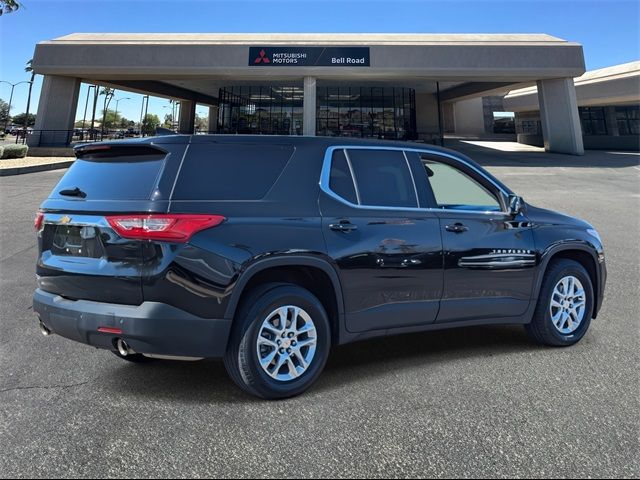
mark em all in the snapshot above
pixel 608 29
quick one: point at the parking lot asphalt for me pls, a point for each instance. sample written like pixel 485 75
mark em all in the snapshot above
pixel 479 402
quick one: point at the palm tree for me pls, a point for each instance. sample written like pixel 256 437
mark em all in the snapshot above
pixel 108 95
pixel 29 69
pixel 8 6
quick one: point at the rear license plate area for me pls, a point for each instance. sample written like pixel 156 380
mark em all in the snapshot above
pixel 75 241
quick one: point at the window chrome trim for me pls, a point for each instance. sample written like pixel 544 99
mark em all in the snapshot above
pixel 325 177
pixel 353 175
pixel 413 180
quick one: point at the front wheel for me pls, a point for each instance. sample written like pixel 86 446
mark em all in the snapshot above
pixel 565 305
pixel 280 343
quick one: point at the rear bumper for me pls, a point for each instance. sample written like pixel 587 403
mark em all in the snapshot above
pixel 153 328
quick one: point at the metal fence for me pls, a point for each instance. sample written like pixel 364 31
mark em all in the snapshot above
pixel 67 138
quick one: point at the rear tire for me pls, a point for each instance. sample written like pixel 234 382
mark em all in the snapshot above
pixel 280 342
pixel 565 305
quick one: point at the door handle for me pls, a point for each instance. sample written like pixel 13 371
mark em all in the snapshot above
pixel 457 228
pixel 343 226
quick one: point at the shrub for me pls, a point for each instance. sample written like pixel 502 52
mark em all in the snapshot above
pixel 14 151
pixel 1 150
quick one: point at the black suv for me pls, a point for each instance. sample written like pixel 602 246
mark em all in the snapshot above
pixel 269 250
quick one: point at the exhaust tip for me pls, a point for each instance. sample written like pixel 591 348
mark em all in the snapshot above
pixel 123 348
pixel 44 330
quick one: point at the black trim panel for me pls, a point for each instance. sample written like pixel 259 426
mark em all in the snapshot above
pixel 393 315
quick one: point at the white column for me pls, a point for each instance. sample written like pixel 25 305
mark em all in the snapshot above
pixel 187 117
pixel 56 111
pixel 561 129
pixel 309 107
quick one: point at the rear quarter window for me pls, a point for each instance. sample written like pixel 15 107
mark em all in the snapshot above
pixel 230 171
pixel 121 177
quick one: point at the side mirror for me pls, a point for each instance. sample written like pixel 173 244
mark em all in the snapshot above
pixel 516 205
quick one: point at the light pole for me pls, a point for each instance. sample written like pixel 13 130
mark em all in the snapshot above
pixel 172 106
pixel 86 104
pixel 13 85
pixel 116 115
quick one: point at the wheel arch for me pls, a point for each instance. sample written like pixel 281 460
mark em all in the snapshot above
pixel 582 253
pixel 315 274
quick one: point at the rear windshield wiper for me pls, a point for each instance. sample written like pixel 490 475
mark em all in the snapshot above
pixel 75 192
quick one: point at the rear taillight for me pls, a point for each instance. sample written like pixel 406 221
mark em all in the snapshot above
pixel 169 228
pixel 37 222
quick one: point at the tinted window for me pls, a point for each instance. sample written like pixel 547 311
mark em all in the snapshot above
pixel 383 178
pixel 341 181
pixel 231 171
pixel 120 178
pixel 454 189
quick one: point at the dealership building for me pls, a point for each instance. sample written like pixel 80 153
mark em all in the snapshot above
pixel 391 86
pixel 608 107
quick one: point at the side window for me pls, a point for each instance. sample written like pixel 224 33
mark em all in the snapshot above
pixel 230 171
pixel 454 189
pixel 341 181
pixel 383 178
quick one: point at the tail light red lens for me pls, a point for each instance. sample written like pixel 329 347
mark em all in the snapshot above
pixel 169 228
pixel 37 222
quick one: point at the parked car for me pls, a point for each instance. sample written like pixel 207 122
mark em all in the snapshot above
pixel 268 251
pixel 21 133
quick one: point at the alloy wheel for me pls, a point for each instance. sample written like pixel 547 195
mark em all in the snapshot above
pixel 286 343
pixel 568 305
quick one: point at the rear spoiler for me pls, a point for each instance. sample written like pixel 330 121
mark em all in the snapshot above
pixel 119 151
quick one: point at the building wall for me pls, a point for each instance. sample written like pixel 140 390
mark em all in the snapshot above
pixel 603 127
pixel 426 115
pixel 469 117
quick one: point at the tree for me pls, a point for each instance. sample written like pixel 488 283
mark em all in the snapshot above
pixel 29 69
pixel 150 123
pixel 4 112
pixel 168 121
pixel 8 6
pixel 21 119
pixel 110 119
pixel 108 95
pixel 202 123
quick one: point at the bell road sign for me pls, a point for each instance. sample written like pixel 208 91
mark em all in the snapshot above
pixel 309 56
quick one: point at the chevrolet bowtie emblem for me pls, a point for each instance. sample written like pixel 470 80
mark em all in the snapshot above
pixel 64 220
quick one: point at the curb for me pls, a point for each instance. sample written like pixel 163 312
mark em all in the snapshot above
pixel 5 172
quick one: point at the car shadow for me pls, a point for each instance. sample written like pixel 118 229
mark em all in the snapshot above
pixel 371 358
pixel 207 381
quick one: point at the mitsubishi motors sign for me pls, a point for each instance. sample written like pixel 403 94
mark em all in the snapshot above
pixel 309 56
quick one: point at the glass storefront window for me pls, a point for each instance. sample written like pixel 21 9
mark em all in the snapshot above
pixel 593 121
pixel 379 112
pixel 341 111
pixel 264 110
pixel 628 119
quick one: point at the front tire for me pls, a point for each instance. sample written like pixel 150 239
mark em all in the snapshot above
pixel 280 342
pixel 565 305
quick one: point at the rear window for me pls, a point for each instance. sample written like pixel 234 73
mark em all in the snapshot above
pixel 133 177
pixel 231 171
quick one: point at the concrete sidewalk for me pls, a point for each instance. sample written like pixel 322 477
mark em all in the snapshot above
pixel 18 166
pixel 492 153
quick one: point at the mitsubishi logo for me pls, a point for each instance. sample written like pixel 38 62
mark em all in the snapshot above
pixel 262 58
